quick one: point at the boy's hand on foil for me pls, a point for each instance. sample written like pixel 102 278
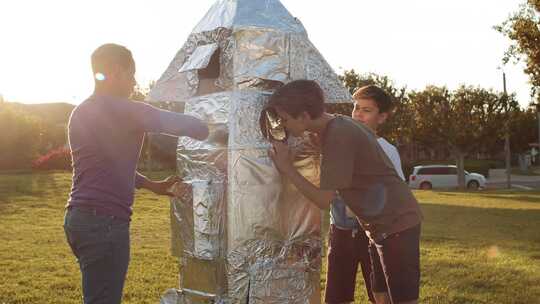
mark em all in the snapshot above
pixel 281 155
pixel 315 141
pixel 182 191
pixel 164 187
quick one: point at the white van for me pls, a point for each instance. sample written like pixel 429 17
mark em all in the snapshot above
pixel 443 176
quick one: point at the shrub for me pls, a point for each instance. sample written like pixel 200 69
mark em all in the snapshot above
pixel 57 159
pixel 19 137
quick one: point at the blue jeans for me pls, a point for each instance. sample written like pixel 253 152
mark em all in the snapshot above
pixel 339 217
pixel 101 245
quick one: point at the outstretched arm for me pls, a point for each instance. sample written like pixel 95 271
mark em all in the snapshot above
pixel 155 120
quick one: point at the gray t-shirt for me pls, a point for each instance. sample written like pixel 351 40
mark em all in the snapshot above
pixel 354 164
pixel 340 215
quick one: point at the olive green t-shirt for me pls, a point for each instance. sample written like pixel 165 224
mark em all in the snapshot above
pixel 354 164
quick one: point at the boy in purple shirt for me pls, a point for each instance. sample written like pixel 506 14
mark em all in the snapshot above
pixel 106 133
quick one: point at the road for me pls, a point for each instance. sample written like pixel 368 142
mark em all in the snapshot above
pixel 525 185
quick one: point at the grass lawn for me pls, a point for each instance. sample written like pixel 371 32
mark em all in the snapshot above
pixel 481 247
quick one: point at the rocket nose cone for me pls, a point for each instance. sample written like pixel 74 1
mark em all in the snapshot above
pixel 249 13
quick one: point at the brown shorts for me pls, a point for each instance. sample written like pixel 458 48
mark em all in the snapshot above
pixel 396 264
pixel 345 252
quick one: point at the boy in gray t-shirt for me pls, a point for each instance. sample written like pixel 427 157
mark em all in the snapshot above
pixel 355 167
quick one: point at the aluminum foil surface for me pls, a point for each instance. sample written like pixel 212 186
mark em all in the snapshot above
pixel 262 54
pixel 182 238
pixel 206 160
pixel 179 296
pixel 249 13
pixel 180 86
pixel 200 58
pixel 200 232
pixel 308 63
pixel 208 219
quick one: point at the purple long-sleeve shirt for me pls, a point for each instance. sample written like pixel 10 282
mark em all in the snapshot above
pixel 105 136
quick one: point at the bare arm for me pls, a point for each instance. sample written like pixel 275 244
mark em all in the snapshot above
pixel 281 157
pixel 155 120
pixel 158 187
pixel 321 198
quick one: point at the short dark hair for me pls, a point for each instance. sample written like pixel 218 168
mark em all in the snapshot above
pixel 299 96
pixel 379 96
pixel 110 54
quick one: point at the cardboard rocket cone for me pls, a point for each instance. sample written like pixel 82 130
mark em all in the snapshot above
pixel 242 233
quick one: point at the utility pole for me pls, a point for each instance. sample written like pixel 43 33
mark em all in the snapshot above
pixel 507 138
pixel 538 115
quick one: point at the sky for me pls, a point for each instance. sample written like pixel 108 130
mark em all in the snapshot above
pixel 45 46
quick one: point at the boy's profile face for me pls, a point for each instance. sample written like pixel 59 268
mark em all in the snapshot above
pixel 294 126
pixel 120 79
pixel 125 79
pixel 367 112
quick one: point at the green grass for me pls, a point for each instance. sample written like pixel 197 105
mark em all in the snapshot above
pixel 481 247
pixel 36 264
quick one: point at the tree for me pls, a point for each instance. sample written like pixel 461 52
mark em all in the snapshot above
pixel 19 138
pixel 430 115
pixel 51 136
pixel 462 121
pixel 478 114
pixel 523 29
pixel 140 93
pixel 523 129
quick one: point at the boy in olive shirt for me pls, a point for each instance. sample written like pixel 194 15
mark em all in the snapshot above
pixel 355 168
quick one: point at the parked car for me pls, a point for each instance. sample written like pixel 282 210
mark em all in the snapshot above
pixel 443 176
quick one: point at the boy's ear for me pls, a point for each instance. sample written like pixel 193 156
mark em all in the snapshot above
pixel 115 71
pixel 305 115
pixel 383 117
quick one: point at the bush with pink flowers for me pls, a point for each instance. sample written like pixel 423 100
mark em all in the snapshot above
pixel 57 159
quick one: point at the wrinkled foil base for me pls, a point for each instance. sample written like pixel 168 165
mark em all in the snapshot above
pixel 185 296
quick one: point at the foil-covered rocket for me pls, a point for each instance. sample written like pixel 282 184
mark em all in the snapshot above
pixel 244 234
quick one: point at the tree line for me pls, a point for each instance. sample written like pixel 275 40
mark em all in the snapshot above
pixel 29 132
pixel 433 123
pixel 438 123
